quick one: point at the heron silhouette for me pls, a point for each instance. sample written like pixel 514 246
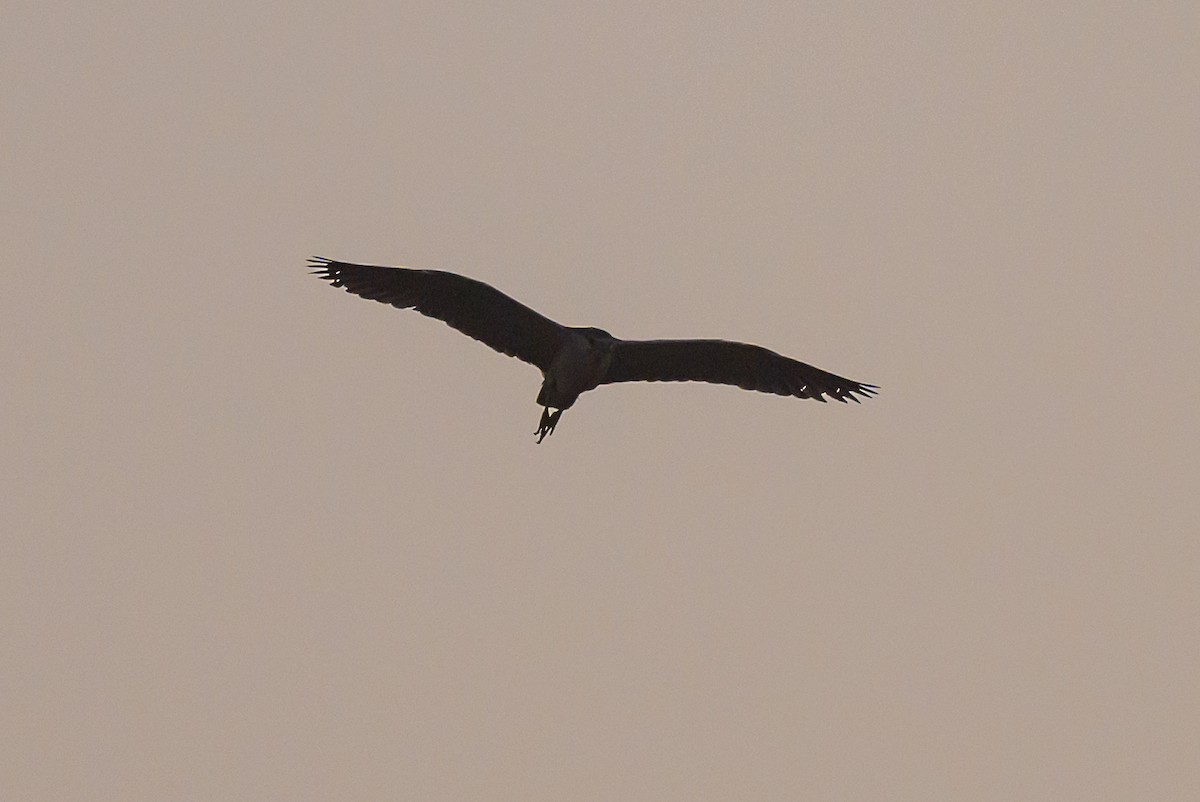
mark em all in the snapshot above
pixel 575 359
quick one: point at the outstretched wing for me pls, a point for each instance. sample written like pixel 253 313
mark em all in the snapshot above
pixel 474 308
pixel 750 367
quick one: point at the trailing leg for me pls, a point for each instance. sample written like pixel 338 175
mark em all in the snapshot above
pixel 549 421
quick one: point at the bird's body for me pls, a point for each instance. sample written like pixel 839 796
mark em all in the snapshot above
pixel 573 359
pixel 580 365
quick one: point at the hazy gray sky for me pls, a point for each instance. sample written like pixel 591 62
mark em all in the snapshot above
pixel 264 540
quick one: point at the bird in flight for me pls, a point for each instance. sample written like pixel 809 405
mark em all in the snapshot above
pixel 576 359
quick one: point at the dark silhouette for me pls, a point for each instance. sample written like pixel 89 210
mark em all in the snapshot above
pixel 573 359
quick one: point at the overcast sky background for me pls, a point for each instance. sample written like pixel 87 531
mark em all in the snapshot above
pixel 260 539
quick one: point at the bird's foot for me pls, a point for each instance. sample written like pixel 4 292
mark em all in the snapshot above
pixel 549 421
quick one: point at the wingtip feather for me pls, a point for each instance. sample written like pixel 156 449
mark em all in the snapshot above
pixel 323 269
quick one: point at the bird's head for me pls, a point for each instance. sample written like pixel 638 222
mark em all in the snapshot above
pixel 594 335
